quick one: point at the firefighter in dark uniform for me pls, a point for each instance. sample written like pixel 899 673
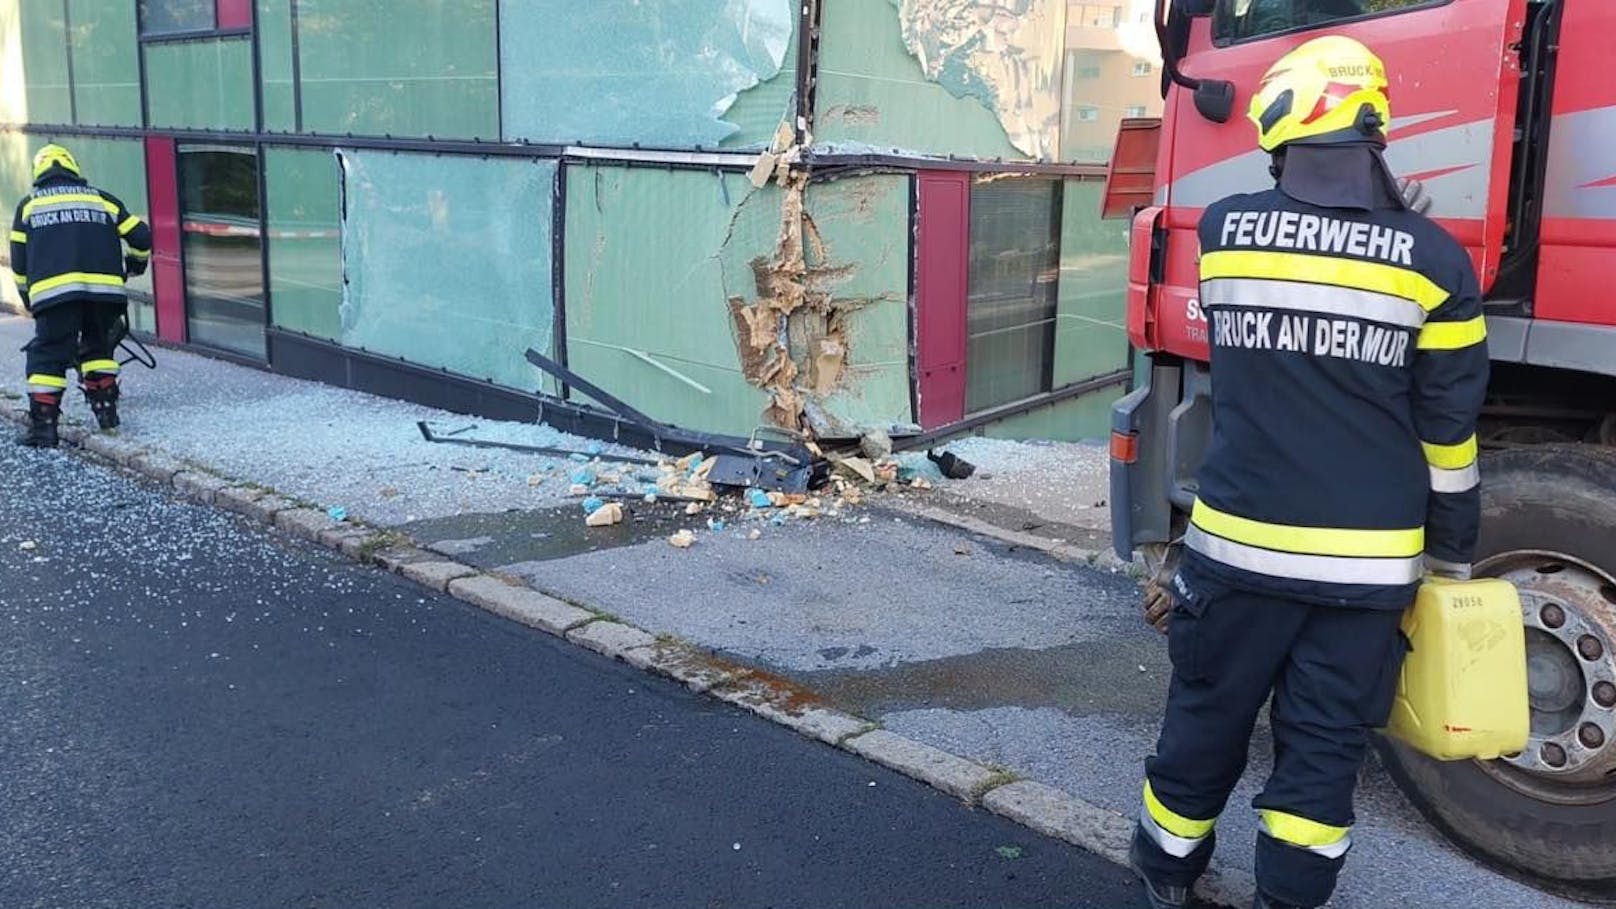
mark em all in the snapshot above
pixel 1349 364
pixel 67 252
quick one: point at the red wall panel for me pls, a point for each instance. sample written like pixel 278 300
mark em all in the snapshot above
pixel 941 274
pixel 235 13
pixel 168 273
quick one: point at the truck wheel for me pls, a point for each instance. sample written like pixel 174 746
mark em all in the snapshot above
pixel 1547 815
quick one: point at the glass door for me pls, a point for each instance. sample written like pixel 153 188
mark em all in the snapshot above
pixel 222 248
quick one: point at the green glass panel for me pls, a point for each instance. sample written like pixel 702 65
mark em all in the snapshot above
pixel 863 229
pixel 275 59
pixel 1091 337
pixel 652 259
pixel 305 240
pixel 873 94
pixel 204 84
pixel 399 67
pixel 106 70
pixel 448 261
pixel 44 62
pixel 660 74
pixel 1086 418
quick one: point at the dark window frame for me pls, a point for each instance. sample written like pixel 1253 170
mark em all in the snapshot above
pixel 213 30
pixel 1050 329
pixel 1221 15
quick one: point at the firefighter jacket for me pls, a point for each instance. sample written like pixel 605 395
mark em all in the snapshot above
pixel 67 242
pixel 1349 362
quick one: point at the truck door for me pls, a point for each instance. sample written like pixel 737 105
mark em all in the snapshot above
pixel 1454 90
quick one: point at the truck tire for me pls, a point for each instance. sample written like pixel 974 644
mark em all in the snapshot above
pixel 1549 524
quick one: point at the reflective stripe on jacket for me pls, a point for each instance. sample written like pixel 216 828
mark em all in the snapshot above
pixel 1349 363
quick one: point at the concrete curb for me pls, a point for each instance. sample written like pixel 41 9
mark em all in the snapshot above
pixel 1044 809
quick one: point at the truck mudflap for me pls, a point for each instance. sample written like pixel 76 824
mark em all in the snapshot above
pixel 1159 434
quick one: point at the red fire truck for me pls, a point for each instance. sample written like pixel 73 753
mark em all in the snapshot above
pixel 1507 113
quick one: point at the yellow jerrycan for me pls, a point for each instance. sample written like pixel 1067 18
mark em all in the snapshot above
pixel 1463 692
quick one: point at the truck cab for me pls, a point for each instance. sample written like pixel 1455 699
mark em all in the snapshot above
pixel 1502 110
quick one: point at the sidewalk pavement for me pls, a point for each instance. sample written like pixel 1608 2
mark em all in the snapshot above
pixel 966 657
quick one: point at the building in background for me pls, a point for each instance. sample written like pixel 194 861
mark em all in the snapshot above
pixel 831 216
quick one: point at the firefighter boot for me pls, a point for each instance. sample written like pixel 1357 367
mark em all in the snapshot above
pixel 101 391
pixel 1160 895
pixel 43 412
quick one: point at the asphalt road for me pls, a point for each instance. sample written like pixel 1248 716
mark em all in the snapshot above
pixel 197 712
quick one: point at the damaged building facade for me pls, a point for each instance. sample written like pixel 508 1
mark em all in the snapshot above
pixel 828 216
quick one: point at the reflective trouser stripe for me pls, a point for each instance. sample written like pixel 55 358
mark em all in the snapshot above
pixel 1462 480
pixel 1376 277
pixel 1332 541
pixel 1451 457
pixel 40 383
pixel 1297 566
pixel 75 282
pixel 89 366
pixel 1452 335
pixel 1301 296
pixel 1176 834
pixel 1295 830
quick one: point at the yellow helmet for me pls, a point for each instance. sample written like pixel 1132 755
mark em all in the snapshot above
pixel 54 154
pixel 1328 91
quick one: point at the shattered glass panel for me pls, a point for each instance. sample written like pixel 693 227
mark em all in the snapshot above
pixel 654 258
pixel 1091 337
pixel 305 240
pixel 976 78
pixel 447 261
pixel 1011 301
pixel 106 71
pixel 662 74
pixel 400 67
pixel 200 84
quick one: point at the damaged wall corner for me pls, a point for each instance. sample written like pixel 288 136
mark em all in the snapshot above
pixel 827 336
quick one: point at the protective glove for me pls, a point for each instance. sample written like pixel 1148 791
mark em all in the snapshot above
pixel 134 266
pixel 1414 195
pixel 1158 605
pixel 1158 601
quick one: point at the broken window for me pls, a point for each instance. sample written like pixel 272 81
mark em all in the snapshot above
pixel 1012 291
pixel 447 261
pixel 672 74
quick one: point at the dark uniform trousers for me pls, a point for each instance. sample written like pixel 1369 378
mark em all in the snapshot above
pixel 1332 672
pixel 72 333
